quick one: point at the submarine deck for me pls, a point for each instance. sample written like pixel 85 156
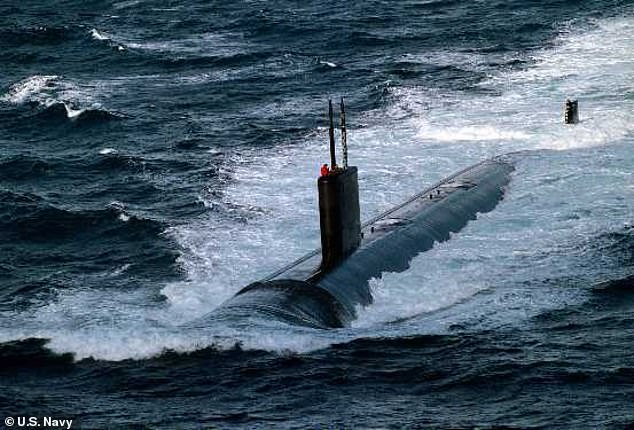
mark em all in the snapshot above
pixel 307 268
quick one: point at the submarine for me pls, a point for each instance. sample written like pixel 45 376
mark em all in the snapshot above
pixel 324 288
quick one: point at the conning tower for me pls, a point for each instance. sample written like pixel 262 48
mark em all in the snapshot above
pixel 339 213
pixel 325 291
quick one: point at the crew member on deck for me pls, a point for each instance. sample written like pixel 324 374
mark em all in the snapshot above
pixel 324 170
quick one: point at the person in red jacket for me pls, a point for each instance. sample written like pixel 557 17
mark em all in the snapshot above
pixel 324 170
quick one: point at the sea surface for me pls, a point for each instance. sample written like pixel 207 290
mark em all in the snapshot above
pixel 157 156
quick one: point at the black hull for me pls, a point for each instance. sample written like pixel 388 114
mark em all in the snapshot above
pixel 305 294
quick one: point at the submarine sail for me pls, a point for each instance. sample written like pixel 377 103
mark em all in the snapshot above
pixel 324 288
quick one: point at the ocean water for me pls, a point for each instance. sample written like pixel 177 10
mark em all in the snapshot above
pixel 155 157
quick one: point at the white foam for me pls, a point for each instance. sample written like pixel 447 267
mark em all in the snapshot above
pixel 262 232
pixel 126 4
pixel 108 343
pixel 428 286
pixel 29 89
pixel 107 151
pixel 523 109
pixel 115 327
pixel 395 161
pixel 328 63
pixel 222 44
pixel 73 113
pixel 524 116
pixel 266 215
pixel 97 35
pixel 51 90
pixel 468 133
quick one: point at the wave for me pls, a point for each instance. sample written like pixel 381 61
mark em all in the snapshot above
pixel 224 61
pixel 8 199
pixel 98 36
pixel 56 98
pixel 614 246
pixel 50 35
pixel 27 167
pixel 21 167
pixel 61 110
pixel 30 89
pixel 107 39
pixel 112 161
pixel 328 64
pixel 45 246
pixel 197 46
pixel 30 218
pixel 31 353
pixel 616 286
pixel 35 35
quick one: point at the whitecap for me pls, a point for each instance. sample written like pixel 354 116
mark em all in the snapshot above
pixel 72 113
pixel 328 63
pixel 29 89
pixel 98 36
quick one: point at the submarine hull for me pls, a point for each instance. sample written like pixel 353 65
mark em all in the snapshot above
pixel 292 301
pixel 311 294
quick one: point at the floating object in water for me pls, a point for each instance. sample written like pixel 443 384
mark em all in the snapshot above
pixel 571 111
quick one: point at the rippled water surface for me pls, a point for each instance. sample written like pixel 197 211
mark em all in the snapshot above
pixel 155 157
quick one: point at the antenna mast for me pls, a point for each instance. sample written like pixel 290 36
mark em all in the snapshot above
pixel 344 135
pixel 333 159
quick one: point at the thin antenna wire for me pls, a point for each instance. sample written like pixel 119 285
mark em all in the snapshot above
pixel 333 159
pixel 344 135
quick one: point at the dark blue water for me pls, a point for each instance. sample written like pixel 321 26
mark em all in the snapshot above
pixel 140 147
